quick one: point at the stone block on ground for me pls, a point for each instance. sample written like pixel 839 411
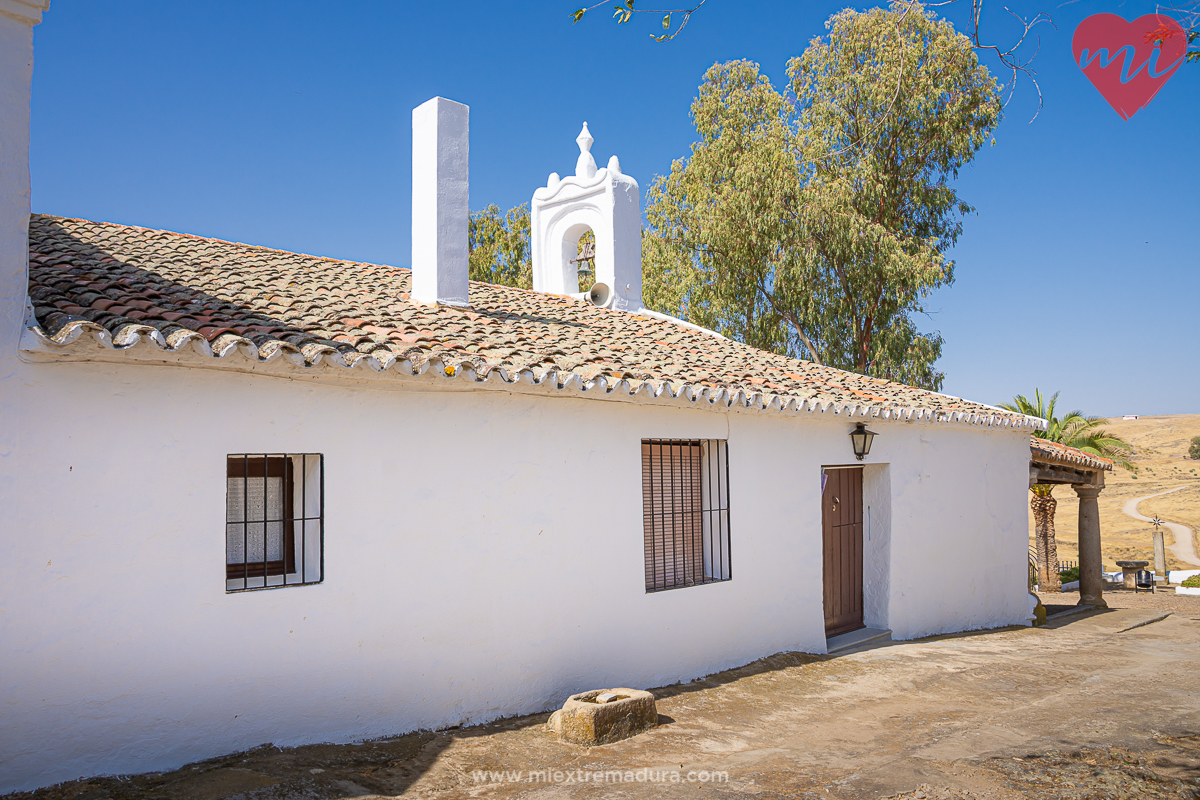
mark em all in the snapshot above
pixel 604 716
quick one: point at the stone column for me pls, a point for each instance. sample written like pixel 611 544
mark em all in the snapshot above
pixel 1160 558
pixel 1091 567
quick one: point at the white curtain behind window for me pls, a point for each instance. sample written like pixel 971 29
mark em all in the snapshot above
pixel 262 503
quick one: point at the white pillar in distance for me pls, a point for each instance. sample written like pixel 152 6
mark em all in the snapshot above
pixel 440 212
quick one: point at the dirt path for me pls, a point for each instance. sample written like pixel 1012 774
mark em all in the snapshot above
pixel 1097 704
pixel 1184 548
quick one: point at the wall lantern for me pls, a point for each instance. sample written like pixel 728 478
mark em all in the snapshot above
pixel 861 438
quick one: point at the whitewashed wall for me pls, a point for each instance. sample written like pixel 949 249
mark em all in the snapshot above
pixel 959 549
pixel 484 557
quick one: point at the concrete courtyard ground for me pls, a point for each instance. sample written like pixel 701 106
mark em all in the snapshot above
pixel 1095 705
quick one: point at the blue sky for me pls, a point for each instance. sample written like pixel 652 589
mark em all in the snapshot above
pixel 287 124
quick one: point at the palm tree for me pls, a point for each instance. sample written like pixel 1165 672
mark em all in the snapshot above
pixel 1074 430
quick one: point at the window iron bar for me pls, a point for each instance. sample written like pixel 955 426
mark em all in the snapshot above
pixel 304 512
pixel 246 523
pixel 652 567
pixel 321 523
pixel 266 505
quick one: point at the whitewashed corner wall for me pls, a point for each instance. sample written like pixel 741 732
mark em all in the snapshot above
pixel 483 558
pixel 962 560
pixel 16 72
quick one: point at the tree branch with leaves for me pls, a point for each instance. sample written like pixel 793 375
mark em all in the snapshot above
pixel 624 13
pixel 1010 56
pixel 1188 17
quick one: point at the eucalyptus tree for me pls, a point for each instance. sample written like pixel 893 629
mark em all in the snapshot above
pixel 499 246
pixel 1073 429
pixel 815 223
pixel 501 252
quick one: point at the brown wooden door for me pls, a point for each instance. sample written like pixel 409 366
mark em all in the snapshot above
pixel 842 534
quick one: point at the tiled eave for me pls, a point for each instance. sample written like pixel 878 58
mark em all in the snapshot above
pixel 101 291
pixel 1042 451
pixel 82 340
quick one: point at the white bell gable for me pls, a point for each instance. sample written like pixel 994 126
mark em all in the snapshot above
pixel 609 203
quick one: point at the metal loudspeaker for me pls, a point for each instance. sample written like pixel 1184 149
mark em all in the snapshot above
pixel 599 295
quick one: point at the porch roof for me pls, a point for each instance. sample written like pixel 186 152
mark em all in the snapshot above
pixel 1051 462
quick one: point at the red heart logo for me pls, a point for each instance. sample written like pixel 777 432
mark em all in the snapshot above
pixel 1129 61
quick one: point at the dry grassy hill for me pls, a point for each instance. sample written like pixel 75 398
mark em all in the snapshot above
pixel 1161 445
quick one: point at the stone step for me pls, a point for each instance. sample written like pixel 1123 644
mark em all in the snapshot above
pixel 857 638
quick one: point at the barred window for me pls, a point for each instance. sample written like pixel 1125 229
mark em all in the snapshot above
pixel 274 520
pixel 685 508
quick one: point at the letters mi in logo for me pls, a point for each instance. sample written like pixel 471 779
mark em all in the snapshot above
pixel 1129 61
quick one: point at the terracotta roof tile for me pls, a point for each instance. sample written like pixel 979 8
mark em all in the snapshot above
pixel 132 281
pixel 1055 453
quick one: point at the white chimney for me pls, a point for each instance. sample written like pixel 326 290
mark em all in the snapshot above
pixel 440 247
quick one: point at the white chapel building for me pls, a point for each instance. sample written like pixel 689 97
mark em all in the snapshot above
pixel 258 496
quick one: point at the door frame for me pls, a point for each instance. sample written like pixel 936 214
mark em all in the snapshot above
pixel 857 553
